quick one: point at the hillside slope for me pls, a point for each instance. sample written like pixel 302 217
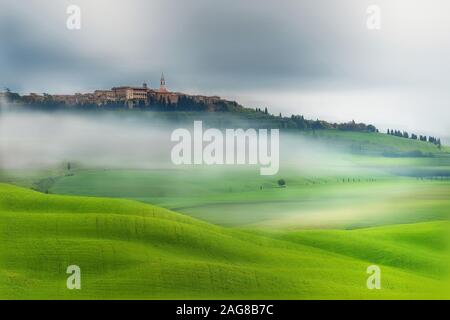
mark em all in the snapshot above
pixel 377 143
pixel 127 249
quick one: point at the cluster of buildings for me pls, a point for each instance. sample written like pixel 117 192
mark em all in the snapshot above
pixel 125 94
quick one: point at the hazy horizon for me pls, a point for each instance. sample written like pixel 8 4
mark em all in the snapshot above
pixel 320 60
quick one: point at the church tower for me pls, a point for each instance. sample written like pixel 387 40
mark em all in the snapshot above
pixel 162 84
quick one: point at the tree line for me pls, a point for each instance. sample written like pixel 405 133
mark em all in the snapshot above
pixel 406 135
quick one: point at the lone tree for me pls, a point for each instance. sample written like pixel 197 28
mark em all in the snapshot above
pixel 281 183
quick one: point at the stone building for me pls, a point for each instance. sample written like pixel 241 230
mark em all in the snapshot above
pixel 104 95
pixel 131 93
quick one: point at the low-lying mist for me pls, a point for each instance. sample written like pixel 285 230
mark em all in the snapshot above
pixel 34 139
pixel 128 140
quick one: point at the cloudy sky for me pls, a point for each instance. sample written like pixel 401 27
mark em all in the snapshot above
pixel 311 57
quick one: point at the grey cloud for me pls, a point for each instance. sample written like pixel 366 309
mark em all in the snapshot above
pixel 230 47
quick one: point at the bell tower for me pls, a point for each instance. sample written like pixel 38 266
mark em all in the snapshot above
pixel 162 84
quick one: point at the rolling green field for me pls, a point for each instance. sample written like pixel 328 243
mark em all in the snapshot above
pixel 237 199
pixel 211 233
pixel 127 249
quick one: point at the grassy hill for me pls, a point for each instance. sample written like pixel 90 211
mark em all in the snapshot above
pixel 351 200
pixel 128 249
pixel 377 143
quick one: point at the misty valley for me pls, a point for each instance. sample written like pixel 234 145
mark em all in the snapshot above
pixel 194 154
pixel 105 189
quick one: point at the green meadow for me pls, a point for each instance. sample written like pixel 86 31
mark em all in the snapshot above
pixel 242 199
pixel 127 249
pixel 212 233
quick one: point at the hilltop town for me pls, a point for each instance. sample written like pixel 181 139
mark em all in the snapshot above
pixel 129 97
pixel 146 98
